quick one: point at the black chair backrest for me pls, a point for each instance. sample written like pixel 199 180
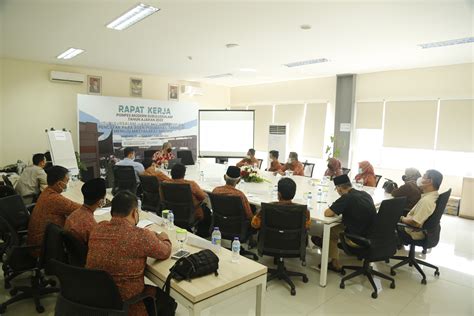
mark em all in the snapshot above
pixel 7 181
pixel 151 193
pixel 88 287
pixel 6 191
pixel 178 197
pixel 52 247
pixel 9 235
pixel 13 209
pixel 432 224
pixel 186 157
pixel 260 161
pixel 124 179
pixel 377 180
pixel 308 169
pixel 228 214
pixel 282 232
pixel 345 170
pixel 148 154
pixel 76 250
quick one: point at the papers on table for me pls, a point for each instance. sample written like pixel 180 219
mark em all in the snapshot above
pixel 144 223
pixel 199 242
pixel 102 211
pixel 154 218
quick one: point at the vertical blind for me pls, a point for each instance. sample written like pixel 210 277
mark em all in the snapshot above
pixel 292 114
pixel 314 126
pixel 455 125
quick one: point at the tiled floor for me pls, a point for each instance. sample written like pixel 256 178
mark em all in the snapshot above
pixel 450 294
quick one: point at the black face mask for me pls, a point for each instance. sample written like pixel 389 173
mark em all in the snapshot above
pixel 168 150
pixel 404 177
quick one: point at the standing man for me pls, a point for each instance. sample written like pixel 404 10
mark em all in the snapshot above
pixel 129 160
pixel 33 179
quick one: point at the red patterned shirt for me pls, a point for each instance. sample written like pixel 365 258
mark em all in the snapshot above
pixel 159 157
pixel 81 222
pixel 121 249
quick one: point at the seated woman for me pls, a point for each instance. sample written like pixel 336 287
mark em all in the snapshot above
pixel 366 174
pixel 163 155
pixel 334 168
pixel 293 164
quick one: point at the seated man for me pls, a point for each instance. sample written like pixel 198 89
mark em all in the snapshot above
pixel 121 249
pixel 358 213
pixel 33 179
pixel 51 207
pixel 286 193
pixel 410 190
pixel 294 165
pixel 202 212
pixel 150 170
pixel 129 160
pixel 232 178
pixel 81 222
pixel 275 165
pixel 429 184
pixel 250 160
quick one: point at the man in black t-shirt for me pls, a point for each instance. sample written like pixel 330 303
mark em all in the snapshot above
pixel 358 212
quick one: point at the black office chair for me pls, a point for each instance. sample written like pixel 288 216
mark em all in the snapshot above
pixel 91 292
pixel 229 215
pixel 308 169
pixel 76 250
pixel 345 170
pixel 379 245
pixel 377 180
pixel 260 161
pixel 179 198
pixel 283 235
pixel 7 181
pixel 186 157
pixel 222 160
pixel 19 260
pixel 124 179
pixel 432 230
pixel 6 191
pixel 151 194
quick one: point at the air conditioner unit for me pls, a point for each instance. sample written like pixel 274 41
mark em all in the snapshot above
pixel 278 139
pixel 191 90
pixel 66 77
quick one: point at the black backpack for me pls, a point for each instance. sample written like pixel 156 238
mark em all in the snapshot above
pixel 198 264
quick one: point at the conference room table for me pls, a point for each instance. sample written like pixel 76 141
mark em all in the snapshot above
pixel 258 193
pixel 200 293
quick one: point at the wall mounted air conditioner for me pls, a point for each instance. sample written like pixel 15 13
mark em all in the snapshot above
pixel 71 77
pixel 191 90
pixel 278 139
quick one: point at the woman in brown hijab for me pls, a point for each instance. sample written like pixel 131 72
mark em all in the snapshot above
pixel 334 168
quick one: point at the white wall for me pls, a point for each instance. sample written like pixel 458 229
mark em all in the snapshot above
pixel 32 103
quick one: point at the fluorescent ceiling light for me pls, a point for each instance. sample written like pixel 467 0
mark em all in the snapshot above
pixel 219 76
pixel 458 41
pixel 70 53
pixel 306 62
pixel 248 70
pixel 132 16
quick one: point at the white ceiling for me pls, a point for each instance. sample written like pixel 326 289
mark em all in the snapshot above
pixel 356 36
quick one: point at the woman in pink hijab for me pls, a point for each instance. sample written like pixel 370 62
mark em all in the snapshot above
pixel 334 168
pixel 366 174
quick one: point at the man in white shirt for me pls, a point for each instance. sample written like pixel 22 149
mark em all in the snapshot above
pixel 129 154
pixel 33 179
pixel 429 184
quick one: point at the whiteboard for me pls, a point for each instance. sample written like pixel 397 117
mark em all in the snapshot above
pixel 62 150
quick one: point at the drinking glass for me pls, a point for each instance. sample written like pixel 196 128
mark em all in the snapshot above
pixel 181 236
pixel 164 215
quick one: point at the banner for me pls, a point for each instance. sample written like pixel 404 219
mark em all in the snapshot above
pixel 108 124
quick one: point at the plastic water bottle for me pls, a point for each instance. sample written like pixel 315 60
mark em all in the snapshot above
pixel 309 201
pixel 139 204
pixel 170 220
pixel 275 192
pixel 201 176
pixel 216 239
pixel 320 196
pixel 236 250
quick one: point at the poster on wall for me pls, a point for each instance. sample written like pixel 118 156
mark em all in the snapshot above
pixel 109 124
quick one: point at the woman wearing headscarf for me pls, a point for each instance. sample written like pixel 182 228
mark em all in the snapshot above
pixel 409 189
pixel 334 168
pixel 366 174
pixel 163 155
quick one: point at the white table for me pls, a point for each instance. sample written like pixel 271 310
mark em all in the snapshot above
pixel 258 193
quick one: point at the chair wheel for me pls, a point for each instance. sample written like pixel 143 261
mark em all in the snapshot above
pixel 3 308
pixel 342 285
pixel 410 264
pixel 13 292
pixel 343 272
pixel 437 273
pixel 392 285
pixel 392 272
pixel 303 263
pixel 305 279
pixel 293 292
pixel 424 251
pixel 374 295
pixel 40 309
pixel 423 281
pixel 387 260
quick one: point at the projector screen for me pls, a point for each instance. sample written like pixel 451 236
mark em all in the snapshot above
pixel 225 133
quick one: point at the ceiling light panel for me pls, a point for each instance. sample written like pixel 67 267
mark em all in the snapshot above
pixel 219 76
pixel 459 41
pixel 306 62
pixel 132 16
pixel 70 53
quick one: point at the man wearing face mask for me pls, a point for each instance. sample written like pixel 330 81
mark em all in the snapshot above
pixel 294 165
pixel 429 184
pixel 81 222
pixel 121 248
pixel 250 160
pixel 358 213
pixel 410 189
pixel 129 160
pixel 51 207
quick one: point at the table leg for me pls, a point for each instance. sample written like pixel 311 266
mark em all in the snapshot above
pixel 259 306
pixel 325 255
